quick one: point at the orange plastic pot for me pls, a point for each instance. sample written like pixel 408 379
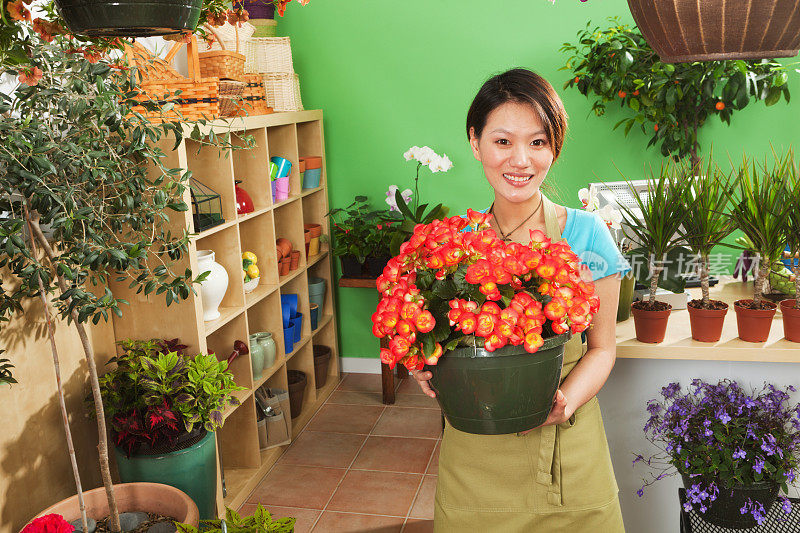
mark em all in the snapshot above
pixel 791 320
pixel 706 323
pixel 754 324
pixel 651 326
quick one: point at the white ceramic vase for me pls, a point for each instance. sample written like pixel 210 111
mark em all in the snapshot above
pixel 212 290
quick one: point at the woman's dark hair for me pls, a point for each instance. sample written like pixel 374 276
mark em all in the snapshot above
pixel 525 87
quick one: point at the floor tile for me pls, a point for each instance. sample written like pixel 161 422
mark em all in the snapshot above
pixel 356 398
pixel 409 386
pixel 409 422
pixel 423 504
pixel 305 518
pixel 322 448
pixel 384 493
pixel 308 487
pixel 395 454
pixel 406 399
pixel 332 522
pixel 361 383
pixel 345 418
pixel 433 468
pixel 418 526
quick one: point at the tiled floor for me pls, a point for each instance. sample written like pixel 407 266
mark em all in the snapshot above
pixel 359 466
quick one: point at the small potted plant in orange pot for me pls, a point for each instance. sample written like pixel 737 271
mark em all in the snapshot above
pixel 704 227
pixel 761 210
pixel 790 309
pixel 655 231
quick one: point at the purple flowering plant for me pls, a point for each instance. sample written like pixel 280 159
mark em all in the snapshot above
pixel 719 436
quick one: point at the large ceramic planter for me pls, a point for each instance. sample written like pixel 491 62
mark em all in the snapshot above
pixel 213 289
pixel 754 324
pixel 505 391
pixel 706 324
pixel 791 320
pixel 130 18
pixel 724 511
pixel 651 326
pixel 688 30
pixel 148 497
pixel 192 469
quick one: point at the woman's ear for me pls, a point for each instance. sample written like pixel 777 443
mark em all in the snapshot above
pixel 473 143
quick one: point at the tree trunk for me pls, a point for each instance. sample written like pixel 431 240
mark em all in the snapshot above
pixel 654 283
pixel 102 447
pixel 57 366
pixel 763 270
pixel 704 278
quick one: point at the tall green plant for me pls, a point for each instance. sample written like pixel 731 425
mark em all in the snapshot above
pixel 707 223
pixel 661 212
pixel 761 209
pixel 86 200
pixel 669 102
pixel 793 229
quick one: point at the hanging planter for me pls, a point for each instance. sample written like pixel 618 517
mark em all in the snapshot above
pixel 130 18
pixel 682 31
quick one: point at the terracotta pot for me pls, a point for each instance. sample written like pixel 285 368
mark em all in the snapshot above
pixel 284 247
pixel 284 265
pixel 791 320
pixel 148 497
pixel 295 260
pixel 302 165
pixel 754 324
pixel 314 229
pixel 706 323
pixel 307 236
pixel 651 326
pixel 688 30
pixel 313 162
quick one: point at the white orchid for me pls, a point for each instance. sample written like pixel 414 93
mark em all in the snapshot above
pixel 612 217
pixel 427 157
pixel 589 200
pixel 390 197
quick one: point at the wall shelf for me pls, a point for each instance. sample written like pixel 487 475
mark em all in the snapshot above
pixel 289 135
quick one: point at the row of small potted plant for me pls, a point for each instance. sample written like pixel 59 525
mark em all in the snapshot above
pixel 686 207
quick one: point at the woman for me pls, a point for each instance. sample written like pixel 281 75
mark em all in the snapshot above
pixel 557 477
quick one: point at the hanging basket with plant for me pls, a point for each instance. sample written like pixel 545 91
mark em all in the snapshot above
pixel 486 316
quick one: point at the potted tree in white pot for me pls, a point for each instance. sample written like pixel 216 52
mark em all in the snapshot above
pixel 760 209
pixel 656 232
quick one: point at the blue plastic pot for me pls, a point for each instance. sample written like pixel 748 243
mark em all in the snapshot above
pixel 297 322
pixel 311 178
pixel 288 339
pixel 313 316
pixel 284 166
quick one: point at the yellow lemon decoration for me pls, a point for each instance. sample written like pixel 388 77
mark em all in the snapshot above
pixel 252 271
pixel 250 256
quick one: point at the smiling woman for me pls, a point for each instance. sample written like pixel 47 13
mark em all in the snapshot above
pixel 558 475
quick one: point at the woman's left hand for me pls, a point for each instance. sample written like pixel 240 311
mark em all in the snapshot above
pixel 558 413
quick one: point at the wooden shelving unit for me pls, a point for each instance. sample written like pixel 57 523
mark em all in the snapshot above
pixel 289 135
pixel 678 343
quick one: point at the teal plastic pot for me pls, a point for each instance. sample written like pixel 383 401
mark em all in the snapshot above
pixel 505 391
pixel 311 178
pixel 316 292
pixel 192 470
pixel 129 18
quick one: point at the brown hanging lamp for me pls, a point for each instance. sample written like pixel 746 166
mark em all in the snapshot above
pixel 682 31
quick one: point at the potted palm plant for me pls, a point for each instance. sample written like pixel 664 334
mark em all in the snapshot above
pixel 655 230
pixel 704 227
pixel 761 210
pixel 790 308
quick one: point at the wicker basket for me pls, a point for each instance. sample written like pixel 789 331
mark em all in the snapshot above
pixel 269 54
pixel 230 97
pixel 283 91
pixel 226 36
pixel 224 63
pixel 713 30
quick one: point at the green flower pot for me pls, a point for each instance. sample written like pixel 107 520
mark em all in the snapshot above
pixel 626 286
pixel 505 391
pixel 192 470
pixel 129 18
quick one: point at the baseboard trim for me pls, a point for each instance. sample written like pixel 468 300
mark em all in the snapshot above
pixel 361 365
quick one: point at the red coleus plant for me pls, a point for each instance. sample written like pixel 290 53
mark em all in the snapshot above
pixel 449 287
pixel 156 424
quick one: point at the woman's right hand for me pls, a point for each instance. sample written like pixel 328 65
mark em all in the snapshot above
pixel 422 380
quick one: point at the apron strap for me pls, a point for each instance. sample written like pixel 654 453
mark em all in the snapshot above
pixel 551 219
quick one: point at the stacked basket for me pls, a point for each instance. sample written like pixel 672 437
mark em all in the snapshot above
pixel 271 59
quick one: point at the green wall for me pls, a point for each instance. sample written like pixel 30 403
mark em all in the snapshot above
pixel 390 75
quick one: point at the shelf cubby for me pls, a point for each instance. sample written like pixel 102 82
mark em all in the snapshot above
pixel 250 169
pixel 266 316
pixel 257 235
pixel 303 360
pixel 225 245
pixel 238 438
pixel 309 143
pixel 325 335
pixel 213 167
pixel 221 343
pixel 282 142
pixel 289 225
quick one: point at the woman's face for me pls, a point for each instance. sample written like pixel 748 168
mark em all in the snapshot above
pixel 514 151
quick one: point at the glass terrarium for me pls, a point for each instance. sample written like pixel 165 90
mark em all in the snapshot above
pixel 206 206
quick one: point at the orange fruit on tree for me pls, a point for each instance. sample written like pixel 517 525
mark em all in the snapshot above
pixel 636 92
pixel 577 79
pixel 655 127
pixel 622 94
pixel 720 106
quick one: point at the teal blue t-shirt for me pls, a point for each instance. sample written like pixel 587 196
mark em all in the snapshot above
pixel 589 237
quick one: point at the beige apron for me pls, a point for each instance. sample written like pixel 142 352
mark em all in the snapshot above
pixel 554 479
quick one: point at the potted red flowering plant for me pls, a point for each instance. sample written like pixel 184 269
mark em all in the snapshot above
pixel 474 309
